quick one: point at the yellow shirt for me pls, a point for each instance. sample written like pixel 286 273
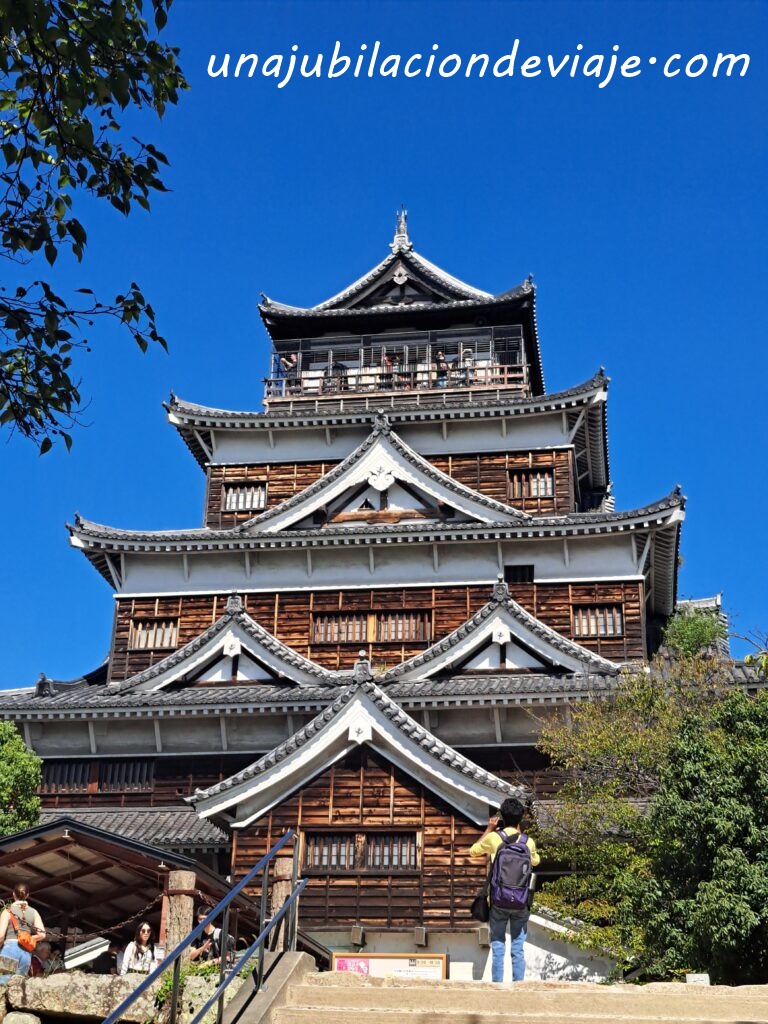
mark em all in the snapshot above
pixel 489 845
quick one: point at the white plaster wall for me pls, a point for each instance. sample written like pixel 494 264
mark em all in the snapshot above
pixel 547 957
pixel 463 437
pixel 135 736
pixel 401 564
pixel 57 738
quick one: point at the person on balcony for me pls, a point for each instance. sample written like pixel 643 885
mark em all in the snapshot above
pixel 467 367
pixel 290 367
pixel 385 376
pixel 441 370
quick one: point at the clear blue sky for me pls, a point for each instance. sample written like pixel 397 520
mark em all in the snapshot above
pixel 639 207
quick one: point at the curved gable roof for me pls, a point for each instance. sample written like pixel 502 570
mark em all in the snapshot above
pixel 361 714
pixel 235 630
pixel 500 621
pixel 382 457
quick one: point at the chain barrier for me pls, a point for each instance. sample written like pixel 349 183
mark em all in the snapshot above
pixel 57 936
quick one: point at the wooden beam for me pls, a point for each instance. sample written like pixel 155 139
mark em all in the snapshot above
pixel 20 856
pixel 92 738
pixel 203 445
pixel 158 736
pixel 577 424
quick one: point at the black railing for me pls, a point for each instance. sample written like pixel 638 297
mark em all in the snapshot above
pixel 228 972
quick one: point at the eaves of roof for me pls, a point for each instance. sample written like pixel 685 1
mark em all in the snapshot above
pixel 186 416
pixel 94 535
pixel 416 733
pixel 461 690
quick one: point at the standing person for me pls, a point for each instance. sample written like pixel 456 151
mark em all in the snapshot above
pixel 19 917
pixel 139 956
pixel 441 369
pixel 207 947
pixel 290 367
pixel 504 830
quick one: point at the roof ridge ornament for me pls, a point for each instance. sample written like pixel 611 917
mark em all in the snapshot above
pixel 362 672
pixel 401 241
pixel 234 604
pixel 381 424
pixel 500 588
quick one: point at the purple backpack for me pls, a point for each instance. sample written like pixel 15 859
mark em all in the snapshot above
pixel 511 873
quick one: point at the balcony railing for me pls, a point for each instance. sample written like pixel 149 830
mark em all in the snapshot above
pixel 372 386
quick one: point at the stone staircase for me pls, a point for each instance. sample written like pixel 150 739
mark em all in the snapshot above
pixel 343 998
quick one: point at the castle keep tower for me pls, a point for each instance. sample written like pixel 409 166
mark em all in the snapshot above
pixel 411 547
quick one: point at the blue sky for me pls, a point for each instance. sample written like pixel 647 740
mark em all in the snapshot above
pixel 639 208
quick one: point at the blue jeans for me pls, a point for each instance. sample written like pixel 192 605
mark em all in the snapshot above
pixel 12 949
pixel 518 930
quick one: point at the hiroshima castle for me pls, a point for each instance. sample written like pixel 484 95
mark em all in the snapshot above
pixel 409 559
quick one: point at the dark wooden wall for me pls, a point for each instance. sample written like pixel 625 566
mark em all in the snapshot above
pixel 289 616
pixel 367 791
pixel 171 780
pixel 487 473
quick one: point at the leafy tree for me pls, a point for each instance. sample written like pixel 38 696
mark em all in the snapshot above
pixel 702 899
pixel 67 69
pixel 612 752
pixel 690 631
pixel 20 775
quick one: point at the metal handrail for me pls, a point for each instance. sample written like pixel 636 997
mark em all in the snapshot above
pixel 174 958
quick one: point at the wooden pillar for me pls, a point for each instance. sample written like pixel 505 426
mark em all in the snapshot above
pixel 281 890
pixel 181 907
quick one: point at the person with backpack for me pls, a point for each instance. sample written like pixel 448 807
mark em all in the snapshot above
pixel 208 946
pixel 20 929
pixel 513 857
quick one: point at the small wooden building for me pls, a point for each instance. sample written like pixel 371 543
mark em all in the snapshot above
pixel 408 560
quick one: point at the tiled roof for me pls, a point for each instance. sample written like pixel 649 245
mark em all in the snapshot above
pixel 429 743
pixel 582 522
pixel 480 686
pixel 174 827
pixel 202 415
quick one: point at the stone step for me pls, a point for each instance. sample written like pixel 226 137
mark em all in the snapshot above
pixel 531 998
pixel 339 1015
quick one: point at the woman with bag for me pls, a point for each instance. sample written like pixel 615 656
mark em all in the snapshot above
pixel 139 956
pixel 20 929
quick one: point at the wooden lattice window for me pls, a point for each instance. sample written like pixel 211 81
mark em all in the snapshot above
pixel 342 628
pixel 401 626
pixel 245 496
pixel 598 620
pixel 65 777
pixel 372 852
pixel 122 776
pixel 151 634
pixel 531 483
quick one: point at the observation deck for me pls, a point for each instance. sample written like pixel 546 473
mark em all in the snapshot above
pixel 395 370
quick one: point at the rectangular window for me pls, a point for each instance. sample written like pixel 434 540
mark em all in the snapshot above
pixel 372 627
pixel 402 626
pixel 245 496
pixel 598 620
pixel 344 628
pixel 531 483
pixel 374 852
pixel 151 634
pixel 518 574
